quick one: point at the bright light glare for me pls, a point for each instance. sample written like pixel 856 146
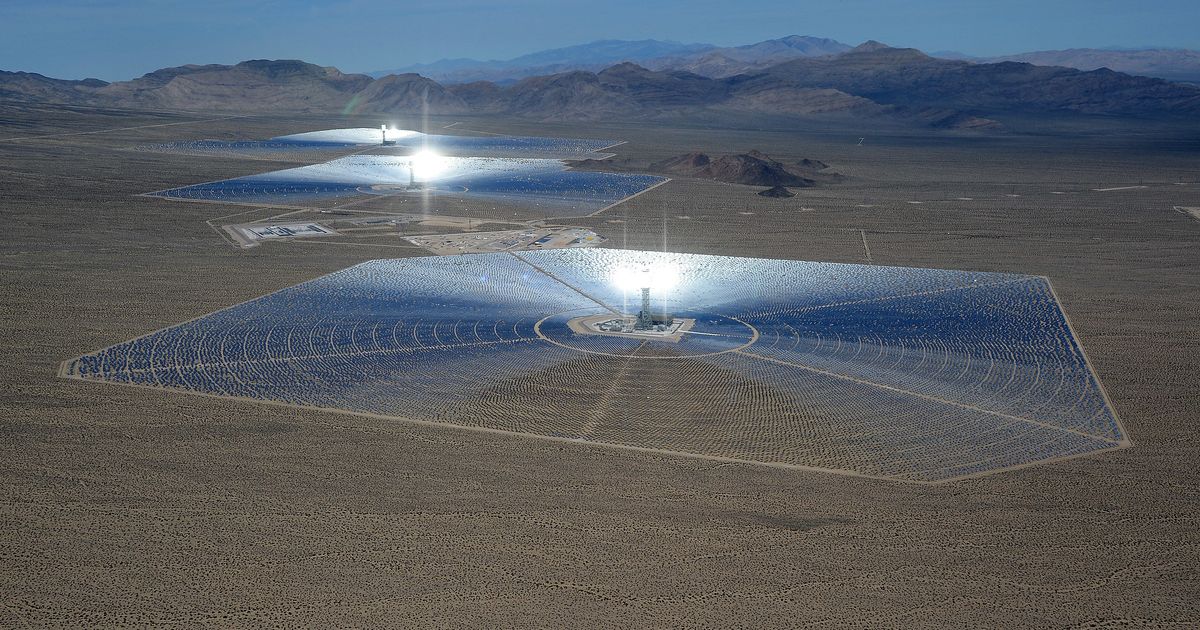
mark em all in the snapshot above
pixel 658 277
pixel 427 165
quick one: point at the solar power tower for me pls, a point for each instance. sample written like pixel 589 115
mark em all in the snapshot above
pixel 646 318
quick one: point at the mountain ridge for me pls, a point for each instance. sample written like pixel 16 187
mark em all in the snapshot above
pixel 590 56
pixel 706 59
pixel 870 81
pixel 725 62
pixel 1172 64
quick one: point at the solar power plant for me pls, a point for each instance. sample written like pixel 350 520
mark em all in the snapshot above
pixel 345 140
pixel 254 149
pixel 917 375
pixel 510 146
pixel 469 146
pixel 542 182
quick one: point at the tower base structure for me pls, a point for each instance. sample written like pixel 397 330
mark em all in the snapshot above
pixel 672 329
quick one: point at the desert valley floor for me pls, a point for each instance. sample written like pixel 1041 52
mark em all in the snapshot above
pixel 130 505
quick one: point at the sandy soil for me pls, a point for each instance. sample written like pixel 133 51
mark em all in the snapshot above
pixel 132 506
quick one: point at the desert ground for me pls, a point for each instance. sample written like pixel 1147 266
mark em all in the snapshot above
pixel 129 506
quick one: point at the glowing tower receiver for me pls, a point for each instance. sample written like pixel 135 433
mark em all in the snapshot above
pixel 427 165
pixel 659 278
pixel 384 131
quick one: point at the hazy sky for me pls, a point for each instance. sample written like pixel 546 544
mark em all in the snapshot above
pixel 121 39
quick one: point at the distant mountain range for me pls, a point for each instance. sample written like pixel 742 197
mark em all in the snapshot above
pixel 726 62
pixel 704 59
pixel 1170 64
pixel 870 81
pixel 594 56
pixel 906 77
pixel 250 86
pixel 716 62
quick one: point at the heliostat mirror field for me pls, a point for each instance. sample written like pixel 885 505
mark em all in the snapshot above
pixel 542 183
pixel 919 375
pixel 405 140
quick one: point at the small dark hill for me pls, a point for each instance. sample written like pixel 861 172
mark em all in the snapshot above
pixel 780 192
pixel 753 168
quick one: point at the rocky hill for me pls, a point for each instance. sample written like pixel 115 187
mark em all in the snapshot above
pixel 777 192
pixel 248 86
pixel 30 86
pixel 753 168
pixel 408 93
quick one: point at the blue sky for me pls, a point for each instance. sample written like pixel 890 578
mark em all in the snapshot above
pixel 121 39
